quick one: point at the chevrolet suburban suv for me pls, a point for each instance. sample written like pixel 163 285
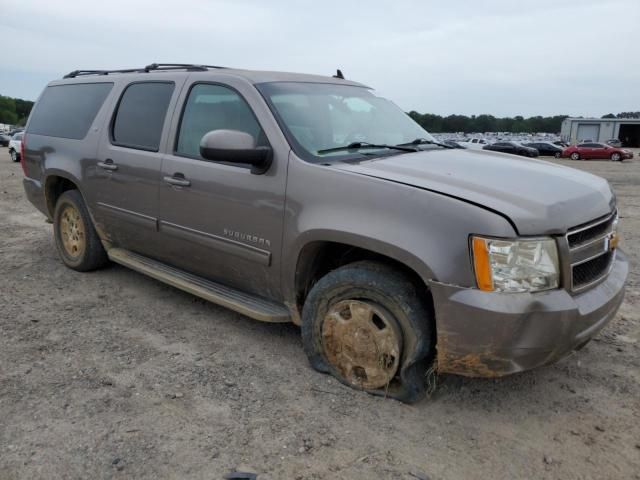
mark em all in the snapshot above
pixel 311 199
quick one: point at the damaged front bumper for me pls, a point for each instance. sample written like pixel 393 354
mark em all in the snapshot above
pixel 488 334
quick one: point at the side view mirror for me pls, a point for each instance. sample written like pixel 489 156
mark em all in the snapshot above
pixel 234 146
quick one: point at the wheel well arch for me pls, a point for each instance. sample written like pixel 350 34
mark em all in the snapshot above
pixel 56 185
pixel 318 258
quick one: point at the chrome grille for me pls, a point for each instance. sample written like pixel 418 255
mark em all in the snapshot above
pixel 589 252
pixel 584 234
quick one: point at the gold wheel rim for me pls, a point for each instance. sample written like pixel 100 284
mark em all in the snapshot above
pixel 72 232
pixel 362 343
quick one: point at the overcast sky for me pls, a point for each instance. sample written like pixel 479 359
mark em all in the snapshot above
pixel 502 57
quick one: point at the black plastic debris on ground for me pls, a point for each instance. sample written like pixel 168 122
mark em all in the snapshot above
pixel 240 476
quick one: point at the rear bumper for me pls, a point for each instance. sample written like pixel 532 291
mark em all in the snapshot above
pixel 482 334
pixel 35 194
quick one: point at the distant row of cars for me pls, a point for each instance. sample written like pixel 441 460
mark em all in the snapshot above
pixel 585 150
pixel 12 140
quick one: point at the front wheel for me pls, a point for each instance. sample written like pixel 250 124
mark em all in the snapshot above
pixel 575 156
pixel 76 239
pixel 616 157
pixel 367 325
pixel 14 156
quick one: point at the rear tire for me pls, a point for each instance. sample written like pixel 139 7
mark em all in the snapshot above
pixel 14 156
pixel 575 156
pixel 76 239
pixel 557 155
pixel 376 315
pixel 616 157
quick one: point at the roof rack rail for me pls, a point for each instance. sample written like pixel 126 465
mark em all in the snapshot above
pixel 151 67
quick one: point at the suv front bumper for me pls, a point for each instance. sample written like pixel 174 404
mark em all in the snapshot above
pixel 487 334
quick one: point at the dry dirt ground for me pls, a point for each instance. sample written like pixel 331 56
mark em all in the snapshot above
pixel 114 375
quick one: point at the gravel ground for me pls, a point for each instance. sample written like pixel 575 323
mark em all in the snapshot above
pixel 114 375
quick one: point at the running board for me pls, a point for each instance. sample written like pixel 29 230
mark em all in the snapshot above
pixel 231 298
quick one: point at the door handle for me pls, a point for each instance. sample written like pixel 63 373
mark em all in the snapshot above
pixel 108 165
pixel 178 180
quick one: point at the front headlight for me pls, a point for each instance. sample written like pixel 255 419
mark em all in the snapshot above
pixel 515 265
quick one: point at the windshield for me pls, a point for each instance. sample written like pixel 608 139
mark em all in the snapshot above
pixel 318 117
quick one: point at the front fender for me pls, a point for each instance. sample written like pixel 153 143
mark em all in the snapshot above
pixel 424 230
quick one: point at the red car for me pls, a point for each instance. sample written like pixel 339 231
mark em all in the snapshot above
pixel 588 151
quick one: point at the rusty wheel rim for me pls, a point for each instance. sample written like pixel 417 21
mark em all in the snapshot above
pixel 72 232
pixel 362 342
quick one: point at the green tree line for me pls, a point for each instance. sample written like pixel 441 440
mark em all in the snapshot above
pixel 487 123
pixel 14 111
pixel 623 115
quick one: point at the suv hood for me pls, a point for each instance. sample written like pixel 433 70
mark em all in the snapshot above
pixel 538 197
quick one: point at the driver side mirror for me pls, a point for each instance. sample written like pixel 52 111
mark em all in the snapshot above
pixel 234 146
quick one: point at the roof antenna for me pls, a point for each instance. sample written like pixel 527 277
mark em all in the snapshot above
pixel 339 74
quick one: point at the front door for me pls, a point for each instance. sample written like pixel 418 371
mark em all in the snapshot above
pixel 126 176
pixel 219 220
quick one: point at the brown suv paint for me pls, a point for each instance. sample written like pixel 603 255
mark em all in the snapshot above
pixel 291 197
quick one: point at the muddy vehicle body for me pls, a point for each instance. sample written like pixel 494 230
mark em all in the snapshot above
pixel 310 199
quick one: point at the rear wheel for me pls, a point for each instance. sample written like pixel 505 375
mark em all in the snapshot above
pixel 557 155
pixel 366 324
pixel 575 156
pixel 616 157
pixel 78 243
pixel 14 155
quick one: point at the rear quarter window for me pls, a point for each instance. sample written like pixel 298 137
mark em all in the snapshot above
pixel 67 111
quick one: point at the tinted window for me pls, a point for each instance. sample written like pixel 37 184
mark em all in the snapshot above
pixel 214 107
pixel 68 111
pixel 140 116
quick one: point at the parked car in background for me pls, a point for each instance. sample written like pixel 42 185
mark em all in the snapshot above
pixel 476 143
pixel 15 147
pixel 4 140
pixel 453 143
pixel 592 151
pixel 14 131
pixel 513 148
pixel 560 143
pixel 546 149
pixel 614 142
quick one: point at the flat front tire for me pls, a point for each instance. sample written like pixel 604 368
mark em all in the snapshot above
pixel 368 325
pixel 78 244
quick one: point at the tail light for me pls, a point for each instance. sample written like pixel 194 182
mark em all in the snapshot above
pixel 23 144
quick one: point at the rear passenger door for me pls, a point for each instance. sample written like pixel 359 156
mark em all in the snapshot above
pixel 218 220
pixel 586 150
pixel 126 176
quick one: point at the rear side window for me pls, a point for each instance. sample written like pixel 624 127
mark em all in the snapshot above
pixel 214 107
pixel 140 115
pixel 67 111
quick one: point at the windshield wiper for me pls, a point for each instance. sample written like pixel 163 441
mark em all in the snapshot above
pixel 424 141
pixel 361 145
